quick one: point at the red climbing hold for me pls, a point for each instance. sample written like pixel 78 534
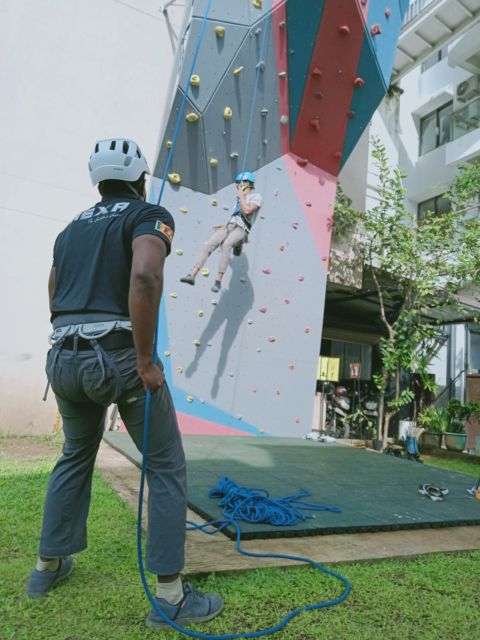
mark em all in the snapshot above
pixel 351 114
pixel 375 29
pixel 302 162
pixel 315 123
pixel 359 82
pixel 344 30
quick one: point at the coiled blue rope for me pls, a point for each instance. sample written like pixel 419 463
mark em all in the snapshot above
pixel 214 527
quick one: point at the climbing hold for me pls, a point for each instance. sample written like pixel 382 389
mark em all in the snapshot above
pixel 168 144
pixel 337 155
pixel 250 321
pixel 214 202
pixel 291 366
pixel 308 204
pixel 265 141
pixel 282 24
pixel 277 392
pixel 254 391
pixel 213 162
pixel 258 31
pixel 315 123
pixel 281 247
pixel 317 73
pixel 243 279
pixel 282 74
pixel 184 209
pixel 259 350
pixel 351 114
pixel 214 302
pixel 260 65
pixel 271 338
pixel 227 113
pixel 192 117
pixel 283 119
pixel 219 31
pixel 209 344
pixel 297 420
pixel 263 309
pixel 174 178
pixel 234 155
pixel 239 416
pixel 179 252
pixel 318 94
pixel 344 30
pixel 321 180
pixel 180 369
pixel 339 71
pixel 264 112
pixel 375 29
pixel 302 162
pixel 237 71
pixel 205 272
pixel 257 3
pixel 359 82
pixel 295 225
pixel 287 300
pixel 231 374
pixel 197 342
pixel 267 271
pixel 307 330
pixel 300 278
pixel 202 400
pixel 200 313
pixel 195 80
pixel 173 295
pixel 167 354
pixel 388 12
pixel 324 258
pixel 189 399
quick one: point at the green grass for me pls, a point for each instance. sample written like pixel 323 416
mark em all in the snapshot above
pixel 431 597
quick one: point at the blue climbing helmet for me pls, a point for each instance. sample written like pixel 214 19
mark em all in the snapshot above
pixel 245 175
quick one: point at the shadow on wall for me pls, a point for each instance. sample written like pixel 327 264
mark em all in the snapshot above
pixel 233 305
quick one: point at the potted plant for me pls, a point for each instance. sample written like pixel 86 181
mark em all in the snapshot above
pixel 434 422
pixel 458 415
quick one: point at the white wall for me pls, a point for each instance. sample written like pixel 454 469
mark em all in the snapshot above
pixel 72 72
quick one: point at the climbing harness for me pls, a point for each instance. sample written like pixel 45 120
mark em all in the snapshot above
pixel 214 527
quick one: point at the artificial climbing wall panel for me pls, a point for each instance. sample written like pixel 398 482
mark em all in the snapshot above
pixel 284 88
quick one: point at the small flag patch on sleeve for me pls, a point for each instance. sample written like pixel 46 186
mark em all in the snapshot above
pixel 163 228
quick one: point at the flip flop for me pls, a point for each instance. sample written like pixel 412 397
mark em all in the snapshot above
pixel 433 492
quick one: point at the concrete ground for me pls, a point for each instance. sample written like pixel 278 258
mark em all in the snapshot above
pixel 217 553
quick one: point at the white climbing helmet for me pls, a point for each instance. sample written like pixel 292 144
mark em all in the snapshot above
pixel 117 159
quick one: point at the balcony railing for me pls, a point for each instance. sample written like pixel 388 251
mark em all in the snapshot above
pixel 415 9
pixel 466 119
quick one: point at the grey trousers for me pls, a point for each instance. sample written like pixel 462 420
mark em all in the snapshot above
pixel 85 384
pixel 228 236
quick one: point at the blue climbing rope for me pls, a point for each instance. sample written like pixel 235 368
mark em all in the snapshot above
pixel 276 509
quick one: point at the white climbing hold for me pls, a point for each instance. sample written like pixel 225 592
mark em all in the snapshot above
pixel 168 144
pixel 231 374
pixel 205 272
pixel 243 279
pixel 202 400
pixel 250 321
pixel 179 252
pixel 183 209
pixel 209 344
pixel 234 155
pixel 239 416
pixel 264 112
pixel 167 354
pixel 282 74
pixel 214 302
pixel 258 350
pixel 173 295
pixel 284 120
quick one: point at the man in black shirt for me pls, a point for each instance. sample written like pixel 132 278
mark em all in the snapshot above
pixel 105 287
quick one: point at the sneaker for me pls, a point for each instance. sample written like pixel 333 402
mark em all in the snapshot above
pixel 188 279
pixel 216 287
pixel 195 606
pixel 40 582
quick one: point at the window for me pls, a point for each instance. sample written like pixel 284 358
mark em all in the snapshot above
pixel 432 60
pixel 435 128
pixel 438 205
pixel 349 352
pixel 473 350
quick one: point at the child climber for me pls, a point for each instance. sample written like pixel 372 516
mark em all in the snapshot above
pixel 233 234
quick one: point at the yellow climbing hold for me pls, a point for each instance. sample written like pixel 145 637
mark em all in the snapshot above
pixel 180 369
pixel 205 272
pixel 179 252
pixel 213 162
pixel 214 202
pixel 184 209
pixel 200 313
pixel 237 71
pixel 167 354
pixel 227 113
pixel 192 117
pixel 219 31
pixel 189 399
pixel 195 80
pixel 174 178
pixel 197 342
pixel 168 144
pixel 258 4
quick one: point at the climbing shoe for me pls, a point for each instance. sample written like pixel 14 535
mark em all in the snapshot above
pixel 188 279
pixel 40 582
pixel 195 606
pixel 237 251
pixel 216 286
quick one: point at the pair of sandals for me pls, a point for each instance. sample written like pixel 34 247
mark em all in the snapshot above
pixel 433 492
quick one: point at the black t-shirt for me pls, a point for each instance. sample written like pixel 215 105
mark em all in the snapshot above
pixel 93 254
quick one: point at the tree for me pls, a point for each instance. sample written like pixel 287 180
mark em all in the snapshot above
pixel 417 267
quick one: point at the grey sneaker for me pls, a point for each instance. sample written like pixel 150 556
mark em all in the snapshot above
pixel 216 286
pixel 195 606
pixel 188 279
pixel 40 582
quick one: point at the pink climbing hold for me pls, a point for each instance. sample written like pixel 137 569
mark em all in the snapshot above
pixel 287 301
pixel 307 329
pixel 375 29
pixel 277 392
pixel 344 30
pixel 315 123
pixel 300 278
pixel 271 339
pixel 291 366
pixel 388 12
pixel 281 247
pixel 263 309
pixel 317 73
pixel 295 225
pixel 297 420
pixel 267 271
pixel 308 204
pixel 359 82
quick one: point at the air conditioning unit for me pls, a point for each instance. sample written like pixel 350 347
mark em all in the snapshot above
pixel 468 89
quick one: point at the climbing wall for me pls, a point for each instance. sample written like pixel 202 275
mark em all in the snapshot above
pixel 283 88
